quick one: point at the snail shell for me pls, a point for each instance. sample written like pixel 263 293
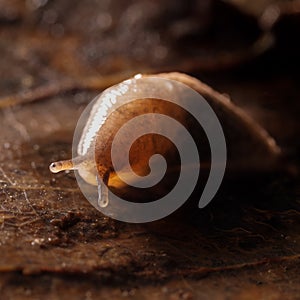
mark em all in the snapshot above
pixel 249 146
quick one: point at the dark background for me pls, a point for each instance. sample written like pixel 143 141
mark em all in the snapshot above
pixel 55 57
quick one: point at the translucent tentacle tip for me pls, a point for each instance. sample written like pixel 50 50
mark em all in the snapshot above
pixel 102 193
pixel 59 166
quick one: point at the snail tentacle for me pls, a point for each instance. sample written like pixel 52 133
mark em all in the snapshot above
pixel 65 165
pixel 102 192
pixel 61 165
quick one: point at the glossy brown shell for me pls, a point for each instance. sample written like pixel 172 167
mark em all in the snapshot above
pixel 250 147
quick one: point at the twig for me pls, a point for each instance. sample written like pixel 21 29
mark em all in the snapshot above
pixel 6 177
pixel 208 270
pixel 59 87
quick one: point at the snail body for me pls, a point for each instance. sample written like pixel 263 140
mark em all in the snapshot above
pixel 120 104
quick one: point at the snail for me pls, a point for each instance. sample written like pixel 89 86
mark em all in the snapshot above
pixel 246 145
